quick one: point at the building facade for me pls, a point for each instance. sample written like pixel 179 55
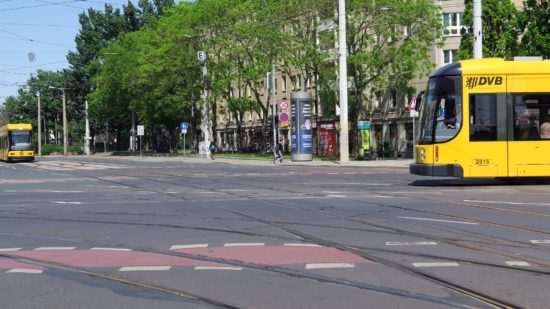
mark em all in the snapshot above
pixel 391 125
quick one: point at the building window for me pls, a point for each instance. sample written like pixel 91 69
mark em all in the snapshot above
pixel 284 83
pixel 452 23
pixel 449 56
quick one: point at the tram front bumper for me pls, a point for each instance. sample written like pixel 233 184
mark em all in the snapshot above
pixel 442 170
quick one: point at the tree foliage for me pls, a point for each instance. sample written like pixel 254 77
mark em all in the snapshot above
pixel 500 31
pixel 533 21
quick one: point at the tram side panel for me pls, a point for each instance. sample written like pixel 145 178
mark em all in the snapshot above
pixel 529 146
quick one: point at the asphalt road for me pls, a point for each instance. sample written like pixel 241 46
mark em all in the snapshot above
pixel 104 232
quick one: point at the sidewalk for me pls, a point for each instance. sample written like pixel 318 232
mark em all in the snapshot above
pixel 395 163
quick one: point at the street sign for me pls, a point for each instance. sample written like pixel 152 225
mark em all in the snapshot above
pixel 283 119
pixel 283 105
pixel 140 130
pixel 184 126
pixel 183 131
pixel 414 113
pixel 412 105
pixel 201 55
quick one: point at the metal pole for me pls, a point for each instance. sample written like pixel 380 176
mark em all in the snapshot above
pixel 343 72
pixel 207 105
pixel 274 108
pixel 478 31
pixel 65 133
pixel 183 145
pixel 39 127
pixel 133 131
pixel 414 138
pixel 106 137
pixel 87 133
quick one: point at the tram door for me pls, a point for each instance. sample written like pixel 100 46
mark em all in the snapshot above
pixel 488 141
pixel 529 145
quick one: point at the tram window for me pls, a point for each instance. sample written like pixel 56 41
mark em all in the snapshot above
pixel 483 117
pixel 531 116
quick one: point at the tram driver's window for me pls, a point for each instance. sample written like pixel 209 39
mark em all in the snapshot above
pixel 483 117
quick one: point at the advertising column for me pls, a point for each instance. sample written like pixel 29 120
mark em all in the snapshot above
pixel 301 136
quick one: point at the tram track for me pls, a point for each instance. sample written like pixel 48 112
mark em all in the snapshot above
pixel 358 251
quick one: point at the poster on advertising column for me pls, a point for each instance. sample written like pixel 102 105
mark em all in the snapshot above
pixel 327 138
pixel 364 136
pixel 301 135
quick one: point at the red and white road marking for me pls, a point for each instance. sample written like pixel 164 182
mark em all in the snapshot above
pixel 312 255
pixel 19 267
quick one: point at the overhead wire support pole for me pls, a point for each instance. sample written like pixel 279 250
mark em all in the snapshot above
pixel 343 76
pixel 39 126
pixel 478 30
pixel 65 132
pixel 273 110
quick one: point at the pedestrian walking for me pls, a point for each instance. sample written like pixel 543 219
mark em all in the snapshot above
pixel 212 149
pixel 279 152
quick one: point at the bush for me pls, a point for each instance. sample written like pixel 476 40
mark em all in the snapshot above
pixel 48 149
pixel 386 152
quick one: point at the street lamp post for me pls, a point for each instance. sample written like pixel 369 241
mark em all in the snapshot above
pixel 87 134
pixel 39 126
pixel 65 136
pixel 202 56
pixel 343 74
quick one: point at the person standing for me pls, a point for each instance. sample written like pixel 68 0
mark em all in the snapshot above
pixel 212 149
pixel 279 152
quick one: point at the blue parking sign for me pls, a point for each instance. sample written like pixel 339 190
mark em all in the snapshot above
pixel 184 125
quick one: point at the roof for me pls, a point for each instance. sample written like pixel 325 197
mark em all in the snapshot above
pixel 494 66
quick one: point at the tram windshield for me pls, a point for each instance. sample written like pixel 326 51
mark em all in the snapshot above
pixel 442 111
pixel 20 140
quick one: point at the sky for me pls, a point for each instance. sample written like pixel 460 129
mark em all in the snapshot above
pixel 38 34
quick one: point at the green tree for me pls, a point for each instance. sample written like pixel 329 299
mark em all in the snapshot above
pixel 500 31
pixel 389 43
pixel 23 107
pixel 533 21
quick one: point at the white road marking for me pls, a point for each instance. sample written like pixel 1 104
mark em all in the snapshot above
pixel 9 249
pixel 436 264
pixel 438 220
pixel 145 268
pixel 540 241
pixel 24 271
pixel 176 247
pixel 55 248
pixel 329 265
pixel 207 192
pixel 234 190
pixel 244 244
pixel 415 243
pixel 217 268
pixel 301 245
pixel 508 203
pixel 518 263
pixel 171 192
pixel 111 249
pixel 336 195
pixel 63 202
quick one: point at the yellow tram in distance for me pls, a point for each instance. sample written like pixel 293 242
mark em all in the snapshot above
pixel 16 143
pixel 486 118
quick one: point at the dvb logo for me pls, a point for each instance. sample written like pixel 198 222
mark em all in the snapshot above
pixel 472 82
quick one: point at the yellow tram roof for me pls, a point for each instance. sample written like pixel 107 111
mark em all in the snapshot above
pixel 18 126
pixel 495 66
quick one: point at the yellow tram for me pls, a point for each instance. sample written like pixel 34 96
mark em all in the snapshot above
pixel 16 142
pixel 486 118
